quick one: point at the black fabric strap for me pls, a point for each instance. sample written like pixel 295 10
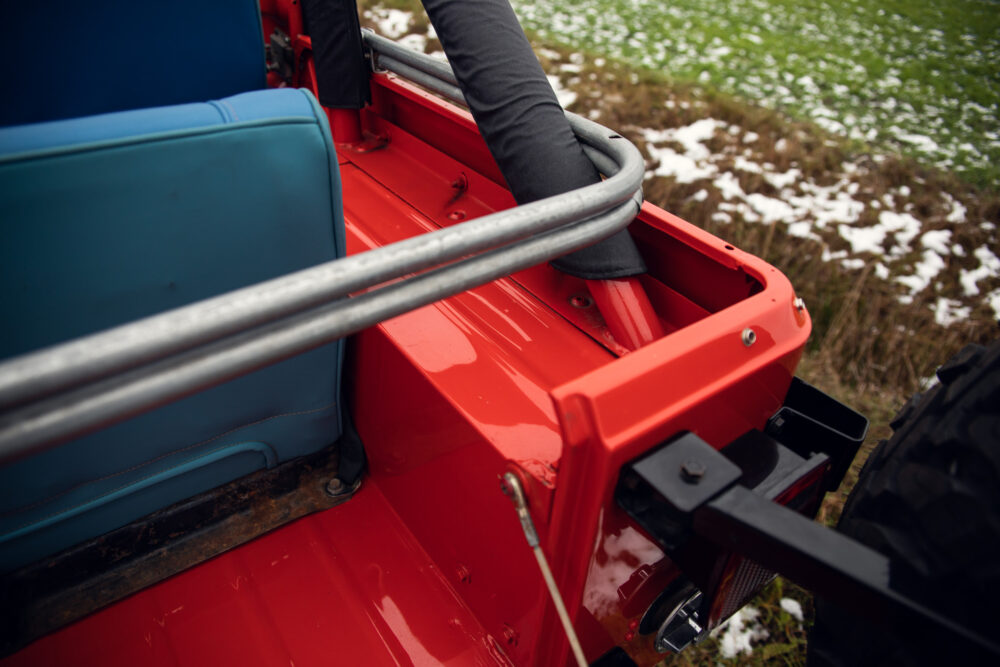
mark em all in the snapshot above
pixel 341 69
pixel 521 120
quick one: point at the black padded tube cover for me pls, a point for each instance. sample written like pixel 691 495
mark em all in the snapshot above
pixel 341 69
pixel 521 120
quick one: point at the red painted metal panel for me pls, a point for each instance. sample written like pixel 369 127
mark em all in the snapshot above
pixel 445 397
pixel 348 586
pixel 702 378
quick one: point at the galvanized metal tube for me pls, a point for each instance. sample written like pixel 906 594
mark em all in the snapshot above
pixel 52 421
pixel 206 343
pixel 448 90
pixel 87 359
pixel 436 68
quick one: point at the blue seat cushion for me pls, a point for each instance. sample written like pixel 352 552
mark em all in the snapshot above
pixel 74 59
pixel 108 219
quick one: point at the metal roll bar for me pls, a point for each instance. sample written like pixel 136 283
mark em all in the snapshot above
pixel 65 391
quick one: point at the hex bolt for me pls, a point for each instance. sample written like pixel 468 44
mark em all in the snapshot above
pixel 749 336
pixel 692 471
pixel 335 487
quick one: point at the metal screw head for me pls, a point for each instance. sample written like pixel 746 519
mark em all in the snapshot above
pixel 799 303
pixel 692 470
pixel 749 336
pixel 335 487
pixel 581 301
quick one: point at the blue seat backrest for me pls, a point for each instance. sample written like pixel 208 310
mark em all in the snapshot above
pixel 112 218
pixel 71 59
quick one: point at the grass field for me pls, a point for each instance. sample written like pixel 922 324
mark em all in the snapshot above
pixel 919 76
pixel 745 112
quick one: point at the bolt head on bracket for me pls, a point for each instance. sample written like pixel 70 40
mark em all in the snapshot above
pixel 661 489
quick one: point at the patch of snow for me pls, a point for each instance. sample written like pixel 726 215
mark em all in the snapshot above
pixel 948 311
pixel 750 137
pixel 737 635
pixel 924 272
pixel 904 226
pixel 783 180
pixel 853 264
pixel 699 196
pixel 802 230
pixel 919 141
pixel 770 209
pixel 989 267
pixel 681 167
pixel 728 186
pixel 993 299
pixel 694 135
pixel 881 271
pixel 863 239
pixel 958 211
pixel 792 607
pixel 692 164
pixel 565 96
pixel 927 383
pixel 746 165
pixel 938 240
pixel 391 22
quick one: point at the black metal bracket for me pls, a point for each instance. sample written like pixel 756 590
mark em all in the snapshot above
pixel 659 492
pixel 281 55
pixel 811 421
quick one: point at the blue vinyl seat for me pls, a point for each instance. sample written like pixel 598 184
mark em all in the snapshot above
pixel 113 217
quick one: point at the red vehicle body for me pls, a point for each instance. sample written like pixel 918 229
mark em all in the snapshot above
pixel 426 563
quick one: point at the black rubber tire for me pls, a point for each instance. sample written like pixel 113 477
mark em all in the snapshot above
pixel 929 498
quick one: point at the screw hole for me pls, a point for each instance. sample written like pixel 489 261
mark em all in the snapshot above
pixel 729 247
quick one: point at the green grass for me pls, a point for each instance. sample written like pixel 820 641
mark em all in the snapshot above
pixel 921 77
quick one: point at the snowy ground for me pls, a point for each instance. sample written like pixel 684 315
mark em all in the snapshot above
pixel 920 77
pixel 861 228
pixel 901 244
